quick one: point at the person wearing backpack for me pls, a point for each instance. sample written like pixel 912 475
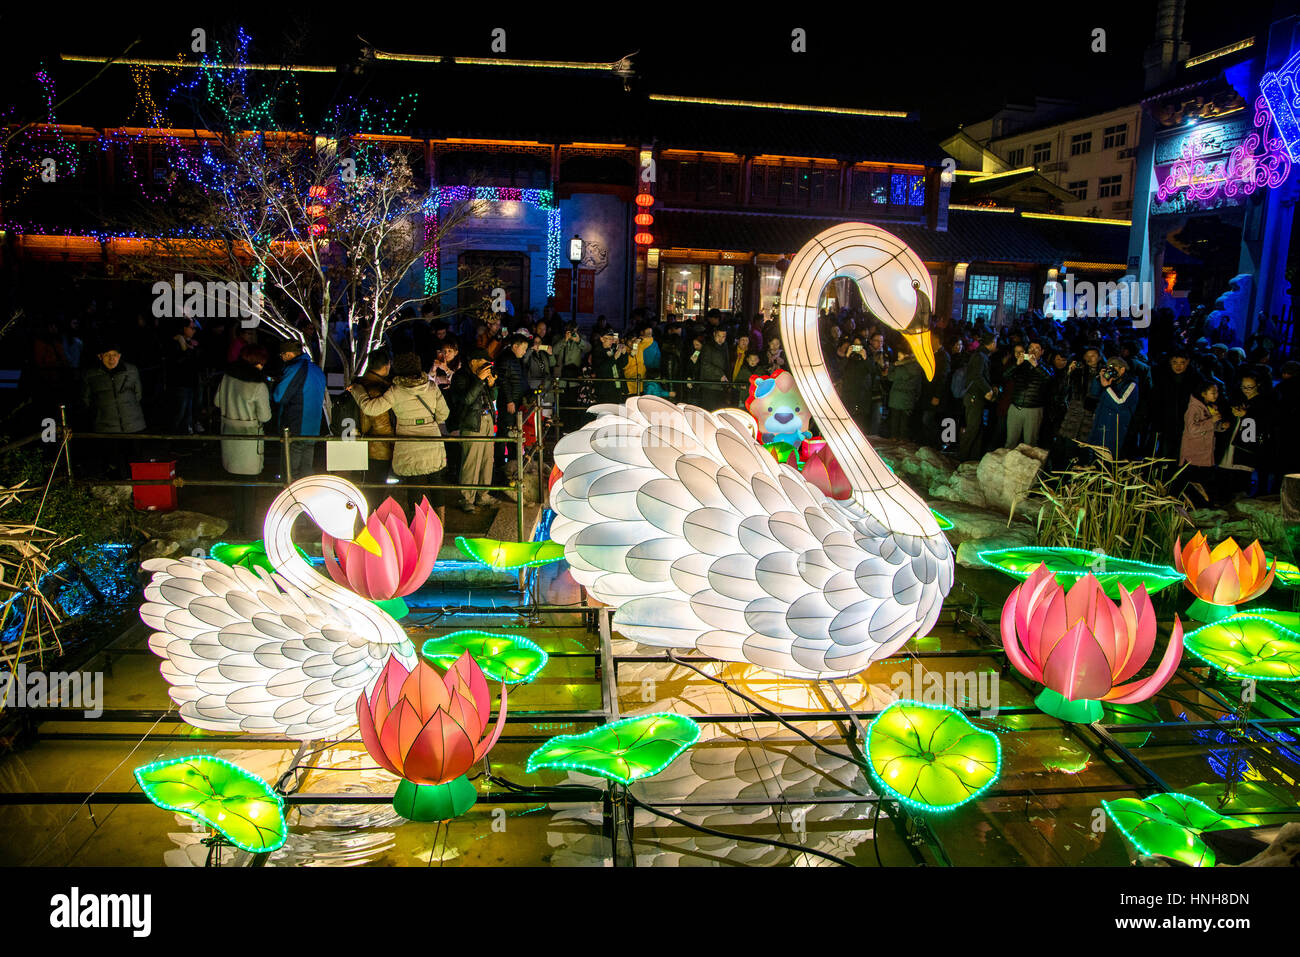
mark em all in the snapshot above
pixel 420 410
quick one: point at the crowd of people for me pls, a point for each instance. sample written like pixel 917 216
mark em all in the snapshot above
pixel 1070 388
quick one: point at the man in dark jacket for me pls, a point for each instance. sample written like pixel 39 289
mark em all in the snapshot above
pixel 979 391
pixel 111 391
pixel 607 360
pixel 473 388
pixel 934 393
pixel 714 370
pixel 1031 386
pixel 1174 383
pixel 300 398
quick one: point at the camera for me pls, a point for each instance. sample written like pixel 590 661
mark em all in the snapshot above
pixel 1112 371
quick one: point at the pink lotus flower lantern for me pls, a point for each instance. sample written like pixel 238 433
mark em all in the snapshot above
pixel 1082 646
pixel 823 470
pixel 407 553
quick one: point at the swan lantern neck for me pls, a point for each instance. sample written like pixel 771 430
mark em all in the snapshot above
pixel 896 288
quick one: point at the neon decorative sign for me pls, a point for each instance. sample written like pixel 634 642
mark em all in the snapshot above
pixel 1258 160
pixel 1282 95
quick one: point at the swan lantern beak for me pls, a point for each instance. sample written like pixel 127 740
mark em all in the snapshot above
pixel 924 352
pixel 367 541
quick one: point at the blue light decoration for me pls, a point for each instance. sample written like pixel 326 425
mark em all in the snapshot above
pixel 1281 94
pixel 440 196
pixel 1232 764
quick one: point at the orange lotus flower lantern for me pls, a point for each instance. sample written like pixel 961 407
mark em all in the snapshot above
pixel 429 729
pixel 1223 578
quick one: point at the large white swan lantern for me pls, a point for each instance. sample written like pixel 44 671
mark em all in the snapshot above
pixel 286 653
pixel 684 522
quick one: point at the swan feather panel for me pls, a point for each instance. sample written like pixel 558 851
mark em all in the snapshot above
pixel 709 543
pixel 252 652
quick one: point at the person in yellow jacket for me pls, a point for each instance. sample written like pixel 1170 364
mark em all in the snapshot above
pixel 634 369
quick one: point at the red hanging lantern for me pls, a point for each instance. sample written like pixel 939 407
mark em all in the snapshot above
pixel 644 238
pixel 644 199
pixel 643 219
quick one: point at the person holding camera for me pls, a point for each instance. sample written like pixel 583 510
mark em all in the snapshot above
pixel 1117 398
pixel 474 386
pixel 1030 389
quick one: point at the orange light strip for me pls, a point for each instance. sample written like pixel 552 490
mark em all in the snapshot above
pixel 479 142
pixel 1078 219
pixel 766 105
pixel 1071 264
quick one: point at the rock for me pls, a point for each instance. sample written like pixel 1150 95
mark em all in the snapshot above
pixel 1209 517
pixel 188 528
pixel 1018 535
pixel 115 495
pixel 1283 852
pixel 1005 475
pixel 963 485
pixel 157 548
pixel 971 521
pixel 920 466
pixel 1265 518
pixel 1291 498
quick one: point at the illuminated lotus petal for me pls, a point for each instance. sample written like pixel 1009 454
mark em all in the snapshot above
pixel 623 751
pixel 407 553
pixel 429 727
pixel 1082 646
pixel 1228 575
pixel 222 795
pixel 1170 825
pixel 931 757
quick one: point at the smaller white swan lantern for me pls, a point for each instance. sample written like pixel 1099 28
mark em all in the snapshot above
pixel 285 653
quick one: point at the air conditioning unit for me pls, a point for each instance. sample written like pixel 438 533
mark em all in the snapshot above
pixel 1122 205
pixel 1128 153
pixel 1057 167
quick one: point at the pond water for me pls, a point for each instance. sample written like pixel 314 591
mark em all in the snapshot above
pixel 749 776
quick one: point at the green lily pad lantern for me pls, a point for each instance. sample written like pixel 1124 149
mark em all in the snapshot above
pixel 1071 564
pixel 1170 825
pixel 239 805
pixel 622 751
pixel 945 523
pixel 248 554
pixel 1248 646
pixel 1285 574
pixel 930 757
pixel 509 556
pixel 507 658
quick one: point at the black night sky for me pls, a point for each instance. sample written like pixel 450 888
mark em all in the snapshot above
pixel 949 66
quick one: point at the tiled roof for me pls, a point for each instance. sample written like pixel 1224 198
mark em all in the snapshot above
pixel 971 236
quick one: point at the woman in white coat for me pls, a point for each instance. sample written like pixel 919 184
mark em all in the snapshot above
pixel 245 404
pixel 420 409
